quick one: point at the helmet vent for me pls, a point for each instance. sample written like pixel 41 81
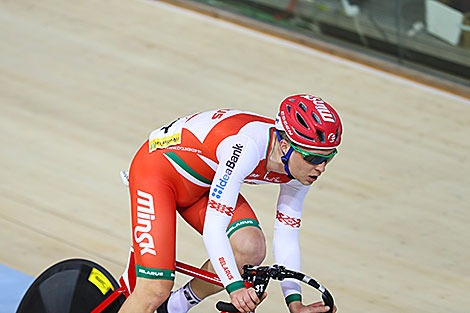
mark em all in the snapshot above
pixel 303 107
pixel 304 136
pixel 316 118
pixel 301 120
pixel 321 135
pixel 288 108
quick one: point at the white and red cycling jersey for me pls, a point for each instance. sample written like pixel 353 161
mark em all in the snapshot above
pixel 196 166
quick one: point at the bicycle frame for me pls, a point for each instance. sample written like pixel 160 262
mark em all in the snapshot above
pixel 180 267
pixel 255 276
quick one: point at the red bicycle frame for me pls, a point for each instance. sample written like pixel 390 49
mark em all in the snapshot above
pixel 180 267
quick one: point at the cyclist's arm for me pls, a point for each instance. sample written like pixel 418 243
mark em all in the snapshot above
pixel 238 156
pixel 286 234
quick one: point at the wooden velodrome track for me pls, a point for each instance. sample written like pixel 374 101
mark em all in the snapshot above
pixel 82 83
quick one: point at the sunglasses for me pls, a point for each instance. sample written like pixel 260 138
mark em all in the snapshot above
pixel 314 158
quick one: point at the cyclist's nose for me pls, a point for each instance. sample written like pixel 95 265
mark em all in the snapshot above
pixel 321 167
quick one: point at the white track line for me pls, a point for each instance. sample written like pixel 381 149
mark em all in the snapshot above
pixel 299 47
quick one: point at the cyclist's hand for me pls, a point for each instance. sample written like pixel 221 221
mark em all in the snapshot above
pixel 317 307
pixel 246 300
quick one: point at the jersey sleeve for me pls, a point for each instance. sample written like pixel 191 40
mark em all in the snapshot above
pixel 286 245
pixel 238 156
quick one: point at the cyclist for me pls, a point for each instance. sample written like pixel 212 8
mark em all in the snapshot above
pixel 195 166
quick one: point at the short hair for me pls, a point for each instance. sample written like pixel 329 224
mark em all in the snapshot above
pixel 283 135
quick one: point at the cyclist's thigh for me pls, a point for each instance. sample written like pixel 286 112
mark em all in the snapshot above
pixel 243 216
pixel 153 208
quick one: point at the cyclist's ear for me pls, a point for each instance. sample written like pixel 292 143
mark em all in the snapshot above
pixel 284 146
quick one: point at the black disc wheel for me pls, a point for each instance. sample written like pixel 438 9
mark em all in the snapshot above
pixel 71 286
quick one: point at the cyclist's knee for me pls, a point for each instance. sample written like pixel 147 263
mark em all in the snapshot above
pixel 153 292
pixel 249 246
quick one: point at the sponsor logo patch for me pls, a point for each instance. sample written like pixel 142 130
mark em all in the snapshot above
pixel 219 114
pixel 230 165
pixel 331 137
pixel 100 281
pixel 164 142
pixel 225 268
pixel 152 273
pixel 285 124
pixel 145 216
pixel 321 108
pixel 166 136
pixel 187 149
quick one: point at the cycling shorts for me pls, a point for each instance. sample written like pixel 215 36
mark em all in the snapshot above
pixel 157 192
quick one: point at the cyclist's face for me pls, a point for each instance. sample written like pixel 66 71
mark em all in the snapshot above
pixel 305 172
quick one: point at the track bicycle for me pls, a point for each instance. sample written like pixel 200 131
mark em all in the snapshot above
pixel 83 286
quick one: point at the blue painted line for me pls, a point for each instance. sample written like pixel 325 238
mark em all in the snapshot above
pixel 13 285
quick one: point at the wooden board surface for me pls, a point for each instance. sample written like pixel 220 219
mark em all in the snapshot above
pixel 83 83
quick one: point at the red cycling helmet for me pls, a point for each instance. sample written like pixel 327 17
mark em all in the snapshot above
pixel 310 122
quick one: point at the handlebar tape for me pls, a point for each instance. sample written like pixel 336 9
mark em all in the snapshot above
pixel 325 294
pixel 226 307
